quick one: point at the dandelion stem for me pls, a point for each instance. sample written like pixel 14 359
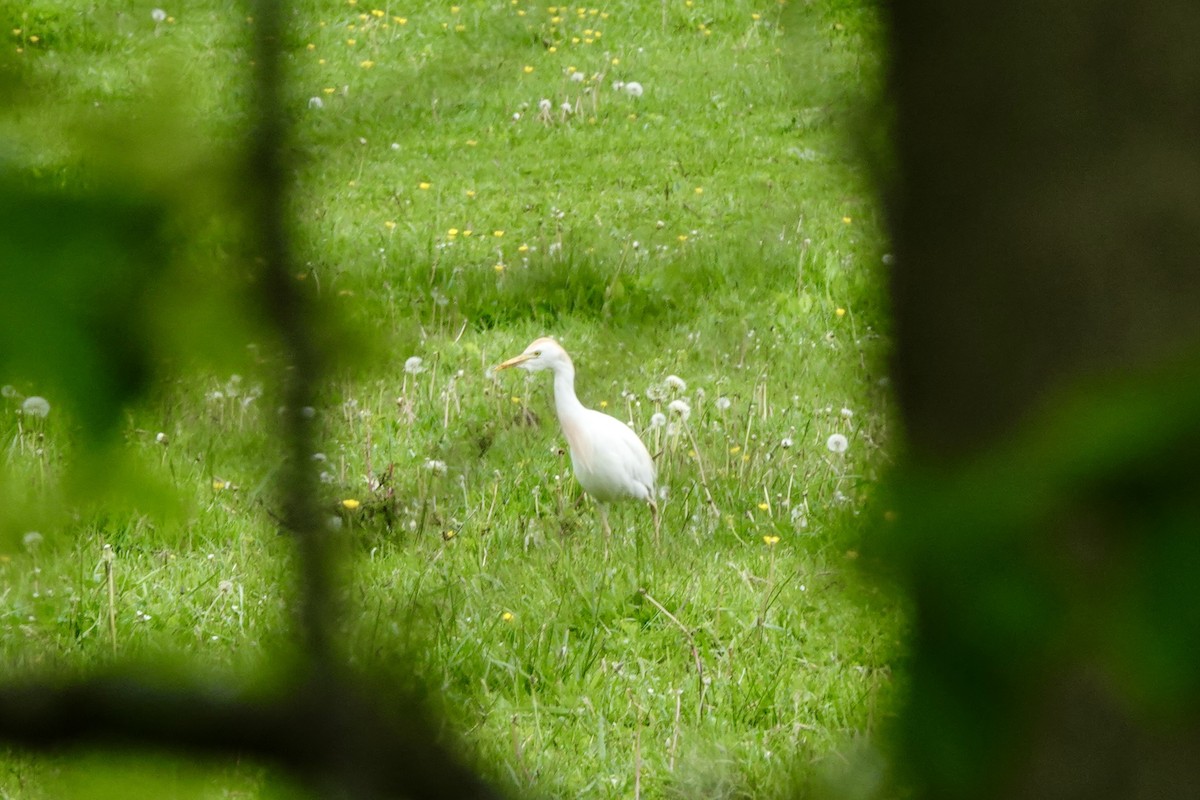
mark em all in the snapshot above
pixel 700 464
pixel 112 594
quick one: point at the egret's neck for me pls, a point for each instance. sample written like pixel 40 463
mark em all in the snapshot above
pixel 565 402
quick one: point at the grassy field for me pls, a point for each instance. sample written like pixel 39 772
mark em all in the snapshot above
pixel 670 190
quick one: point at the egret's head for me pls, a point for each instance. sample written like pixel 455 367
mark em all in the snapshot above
pixel 541 354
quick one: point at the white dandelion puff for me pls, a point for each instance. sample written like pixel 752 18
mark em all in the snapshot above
pixel 158 15
pixel 618 85
pixel 657 420
pixel 32 539
pixel 723 403
pixel 577 77
pixel 414 365
pixel 675 383
pixel 680 407
pixel 316 102
pixel 35 407
pixel 847 413
pixel 544 105
pixel 785 442
pixel 435 466
pixel 837 443
pixel 634 89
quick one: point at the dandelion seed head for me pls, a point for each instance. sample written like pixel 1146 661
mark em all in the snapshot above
pixel 35 406
pixel 158 15
pixel 785 442
pixel 675 383
pixel 414 365
pixel 837 443
pixel 436 466
pixel 657 420
pixel 723 403
pixel 634 89
pixel 680 407
pixel 544 105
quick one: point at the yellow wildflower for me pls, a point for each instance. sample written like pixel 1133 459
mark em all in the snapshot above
pixel 528 69
pixel 507 616
pixel 841 312
pixel 350 504
pixel 764 507
pixel 423 185
pixel 367 64
pixel 771 540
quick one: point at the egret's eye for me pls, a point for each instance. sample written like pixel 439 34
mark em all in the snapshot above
pixel 537 353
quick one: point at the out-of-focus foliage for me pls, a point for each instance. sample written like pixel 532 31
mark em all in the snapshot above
pixel 1067 556
pixel 75 296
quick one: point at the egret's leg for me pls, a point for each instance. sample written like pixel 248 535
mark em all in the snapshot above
pixel 657 522
pixel 603 509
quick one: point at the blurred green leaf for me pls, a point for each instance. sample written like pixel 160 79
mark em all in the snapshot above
pixel 74 297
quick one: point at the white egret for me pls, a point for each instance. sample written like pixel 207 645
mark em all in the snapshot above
pixel 609 459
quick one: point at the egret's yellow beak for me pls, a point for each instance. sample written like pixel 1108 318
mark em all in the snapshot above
pixel 515 361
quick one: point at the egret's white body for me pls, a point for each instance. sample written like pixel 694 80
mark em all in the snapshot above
pixel 609 459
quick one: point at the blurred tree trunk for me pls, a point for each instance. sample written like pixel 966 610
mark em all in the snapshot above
pixel 1046 221
pixel 1049 220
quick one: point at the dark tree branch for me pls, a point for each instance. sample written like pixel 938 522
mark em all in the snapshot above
pixel 337 738
pixel 327 726
pixel 289 311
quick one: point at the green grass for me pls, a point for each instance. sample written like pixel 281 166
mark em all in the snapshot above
pixel 720 228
